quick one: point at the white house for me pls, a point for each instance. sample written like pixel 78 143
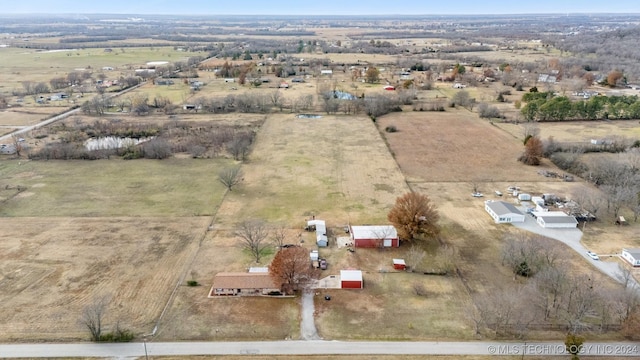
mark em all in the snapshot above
pixel 326 72
pixel 503 212
pixel 555 220
pixel 632 256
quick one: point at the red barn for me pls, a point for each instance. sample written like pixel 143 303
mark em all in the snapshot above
pixel 351 279
pixel 389 88
pixel 374 236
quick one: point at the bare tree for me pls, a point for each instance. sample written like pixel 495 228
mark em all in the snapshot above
pixel 276 99
pixel 279 234
pixel 526 255
pixel 93 315
pixel 17 144
pixel 581 300
pixel 414 257
pixel 252 234
pixel 230 177
pixel 624 275
pixel 551 284
pixel 589 199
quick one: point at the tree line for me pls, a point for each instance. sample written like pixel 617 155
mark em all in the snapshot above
pixel 545 106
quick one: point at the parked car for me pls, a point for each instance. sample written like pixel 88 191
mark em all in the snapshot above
pixel 477 194
pixel 593 255
pixel 323 264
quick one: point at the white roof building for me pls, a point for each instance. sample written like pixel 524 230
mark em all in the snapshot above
pixel 503 212
pixel 374 232
pixel 555 220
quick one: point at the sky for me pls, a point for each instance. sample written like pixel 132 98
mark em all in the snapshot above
pixel 318 7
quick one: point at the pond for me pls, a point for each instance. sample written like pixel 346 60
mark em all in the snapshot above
pixel 112 142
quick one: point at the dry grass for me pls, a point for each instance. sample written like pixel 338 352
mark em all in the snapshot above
pixel 52 267
pixel 301 167
pixel 454 146
pixel 172 187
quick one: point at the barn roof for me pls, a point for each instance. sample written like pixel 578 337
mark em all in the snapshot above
pixel 374 232
pixel 503 208
pixel 240 280
pixel 350 275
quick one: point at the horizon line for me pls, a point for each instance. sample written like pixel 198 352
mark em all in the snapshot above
pixel 333 15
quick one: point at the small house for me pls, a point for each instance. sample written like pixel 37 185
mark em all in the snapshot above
pixel 503 212
pixel 399 264
pixel 374 236
pixel 326 72
pixel 283 85
pixel 632 256
pixel 351 279
pixel 229 80
pixel 243 284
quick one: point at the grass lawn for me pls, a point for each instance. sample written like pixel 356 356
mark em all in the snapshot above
pixel 176 187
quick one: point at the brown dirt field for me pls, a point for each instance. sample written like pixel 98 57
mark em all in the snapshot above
pixel 53 267
pixel 455 146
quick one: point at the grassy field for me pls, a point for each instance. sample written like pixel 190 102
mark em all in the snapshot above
pixel 20 64
pixel 124 229
pixel 174 187
pixel 579 131
pixel 336 167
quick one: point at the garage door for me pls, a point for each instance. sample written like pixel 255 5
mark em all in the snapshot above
pixel 387 242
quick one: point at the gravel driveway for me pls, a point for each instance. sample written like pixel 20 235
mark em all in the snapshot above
pixel 571 237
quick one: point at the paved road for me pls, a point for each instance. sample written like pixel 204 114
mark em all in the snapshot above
pixel 571 237
pixel 315 347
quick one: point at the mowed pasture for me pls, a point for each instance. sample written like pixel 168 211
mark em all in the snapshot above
pixel 82 230
pixel 173 187
pixel 336 167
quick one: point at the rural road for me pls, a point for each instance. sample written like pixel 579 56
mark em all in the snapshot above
pixel 571 237
pixel 316 347
pixel 65 114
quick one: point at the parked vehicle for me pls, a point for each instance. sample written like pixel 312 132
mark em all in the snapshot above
pixel 593 255
pixel 323 264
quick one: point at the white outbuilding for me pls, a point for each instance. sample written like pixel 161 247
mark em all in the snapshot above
pixel 503 212
pixel 632 256
pixel 555 220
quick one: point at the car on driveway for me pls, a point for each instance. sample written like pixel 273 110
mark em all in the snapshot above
pixel 593 255
pixel 323 264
